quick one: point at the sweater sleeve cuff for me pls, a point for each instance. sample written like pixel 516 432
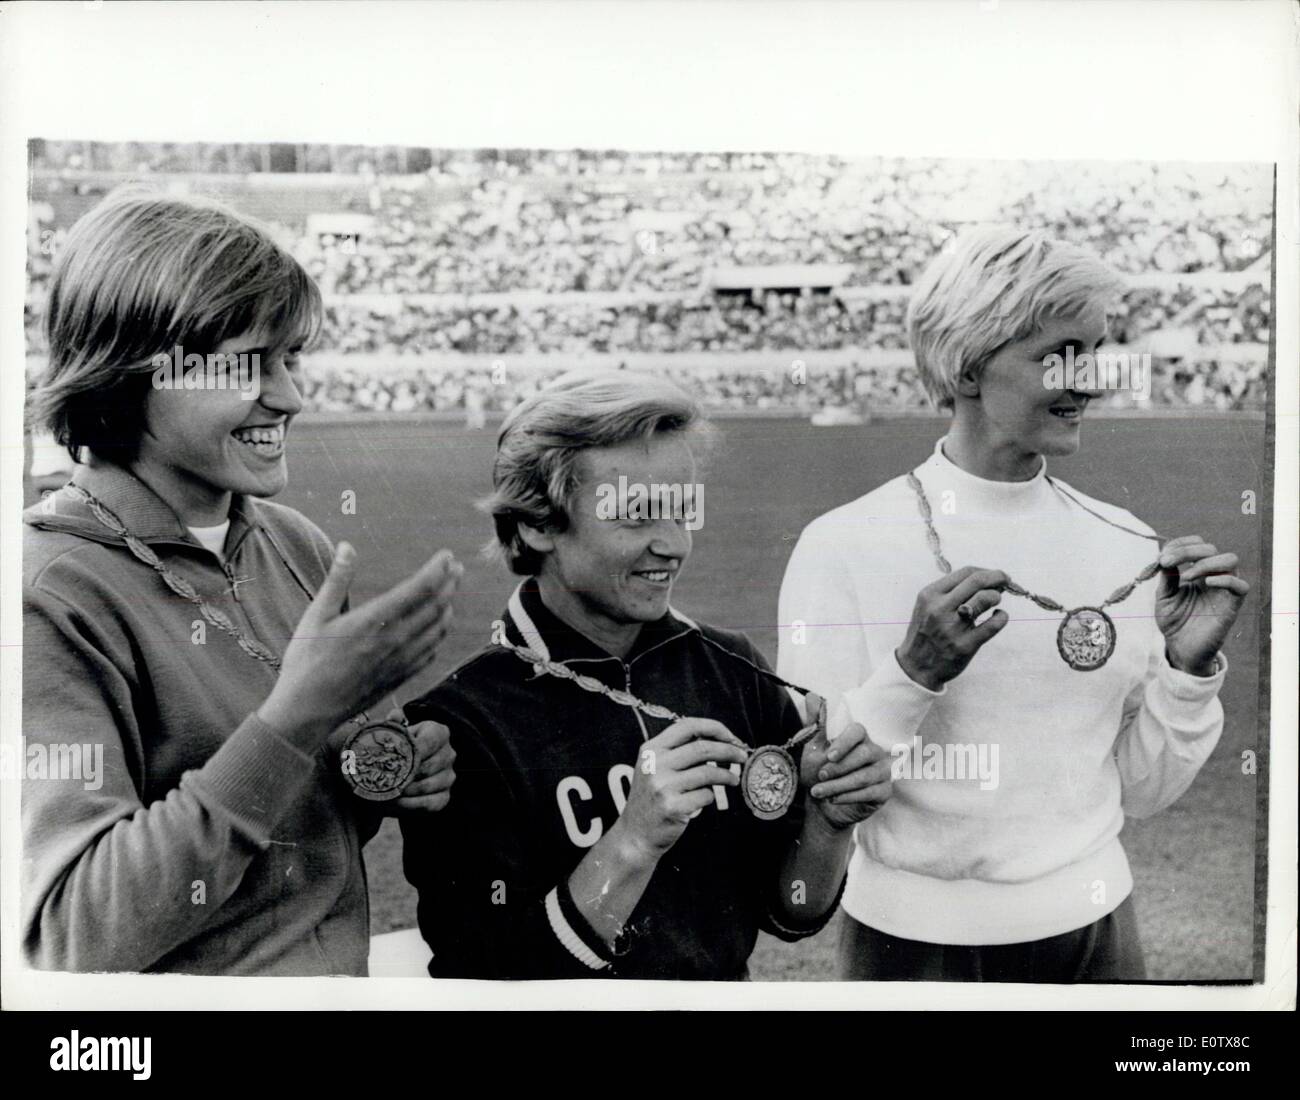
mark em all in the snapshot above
pixel 1183 685
pixel 252 779
pixel 1182 697
pixel 572 931
pixel 890 705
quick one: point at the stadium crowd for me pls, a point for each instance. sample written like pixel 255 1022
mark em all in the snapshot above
pixel 858 389
pixel 495 390
pixel 653 226
pixel 776 321
pixel 710 322
pixel 73 157
pixel 884 218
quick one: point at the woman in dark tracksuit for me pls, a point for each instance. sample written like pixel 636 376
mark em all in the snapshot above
pixel 598 827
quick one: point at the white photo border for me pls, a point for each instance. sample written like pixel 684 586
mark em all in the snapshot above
pixel 1211 81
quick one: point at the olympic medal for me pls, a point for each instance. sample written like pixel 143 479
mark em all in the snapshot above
pixel 1086 638
pixel 769 782
pixel 379 760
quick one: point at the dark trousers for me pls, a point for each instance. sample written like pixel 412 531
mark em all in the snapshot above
pixel 1105 951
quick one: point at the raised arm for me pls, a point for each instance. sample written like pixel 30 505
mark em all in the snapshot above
pixel 106 880
pixel 823 642
pixel 1173 719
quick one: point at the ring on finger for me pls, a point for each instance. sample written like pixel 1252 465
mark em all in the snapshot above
pixel 966 615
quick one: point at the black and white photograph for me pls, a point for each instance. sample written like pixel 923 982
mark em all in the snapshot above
pixel 510 561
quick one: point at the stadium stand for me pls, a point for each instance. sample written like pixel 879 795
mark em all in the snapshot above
pixel 723 269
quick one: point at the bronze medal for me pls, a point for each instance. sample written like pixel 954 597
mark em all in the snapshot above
pixel 769 782
pixel 379 760
pixel 1086 638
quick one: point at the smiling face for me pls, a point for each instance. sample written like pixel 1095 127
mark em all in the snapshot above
pixel 1006 414
pixel 606 577
pixel 200 446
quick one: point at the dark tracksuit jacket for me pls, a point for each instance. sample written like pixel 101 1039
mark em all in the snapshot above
pixel 542 772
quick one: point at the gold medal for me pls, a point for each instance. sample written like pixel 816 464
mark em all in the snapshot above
pixel 379 760
pixel 1086 638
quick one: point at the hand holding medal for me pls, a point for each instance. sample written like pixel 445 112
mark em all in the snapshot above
pixel 673 780
pixel 847 779
pixel 409 765
pixel 1195 607
pixel 942 636
pixel 769 781
pixel 1198 600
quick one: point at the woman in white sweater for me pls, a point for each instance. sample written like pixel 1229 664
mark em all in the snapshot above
pixel 1036 661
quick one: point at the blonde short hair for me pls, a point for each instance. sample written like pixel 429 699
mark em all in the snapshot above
pixel 536 470
pixel 138 275
pixel 991 287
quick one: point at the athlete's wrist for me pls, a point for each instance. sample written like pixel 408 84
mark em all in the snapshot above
pixel 1203 667
pixel 631 850
pixel 290 723
pixel 820 826
pixel 916 674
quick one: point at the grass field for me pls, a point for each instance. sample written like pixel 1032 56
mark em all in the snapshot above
pixel 1194 864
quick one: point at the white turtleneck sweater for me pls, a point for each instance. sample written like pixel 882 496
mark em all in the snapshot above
pixel 958 860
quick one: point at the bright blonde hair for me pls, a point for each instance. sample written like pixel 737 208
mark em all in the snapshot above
pixel 991 287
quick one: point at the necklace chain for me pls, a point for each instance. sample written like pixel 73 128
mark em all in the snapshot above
pixel 932 537
pixel 182 587
pixel 177 584
pixel 543 666
pixel 259 652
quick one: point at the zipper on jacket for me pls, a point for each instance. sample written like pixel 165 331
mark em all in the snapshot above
pixel 242 617
pixel 235 582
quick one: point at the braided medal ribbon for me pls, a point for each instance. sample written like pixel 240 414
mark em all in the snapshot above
pixel 378 758
pixel 769 779
pixel 1086 636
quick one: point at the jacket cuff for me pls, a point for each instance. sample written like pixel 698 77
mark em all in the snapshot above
pixel 890 705
pixel 569 927
pixel 787 930
pixel 252 779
